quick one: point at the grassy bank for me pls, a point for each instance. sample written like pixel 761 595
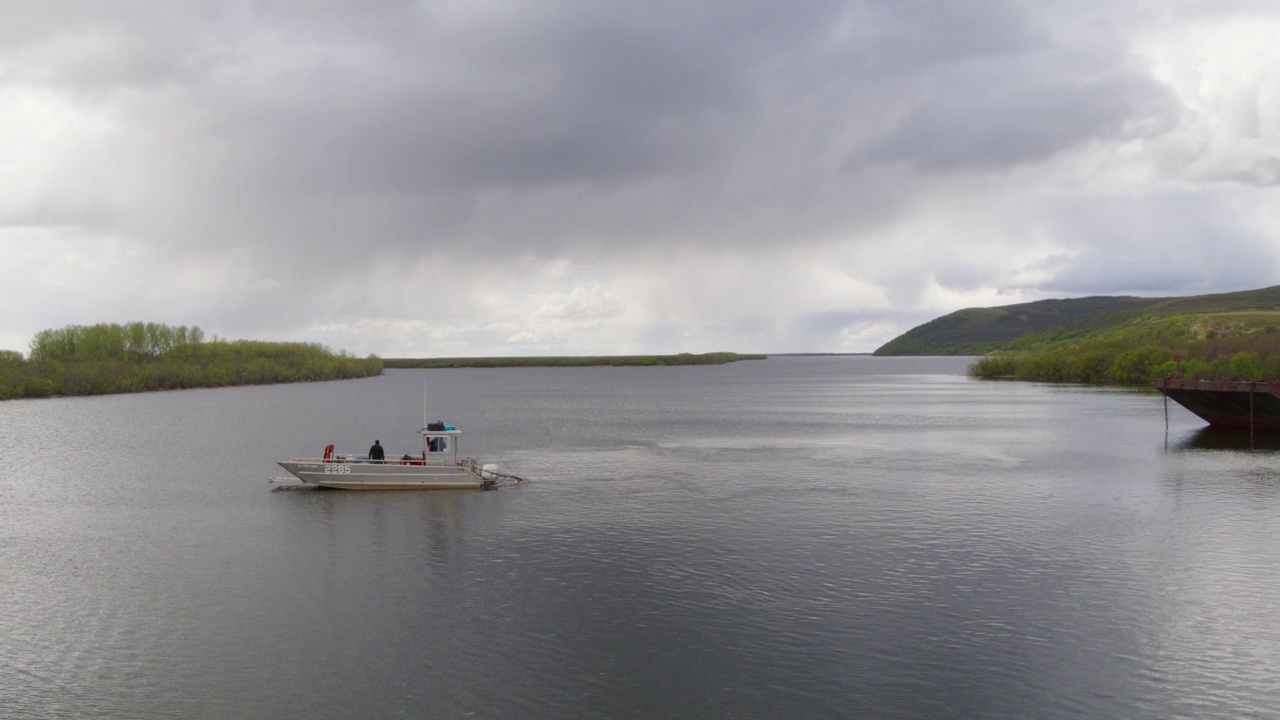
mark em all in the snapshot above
pixel 137 357
pixel 718 358
pixel 1211 346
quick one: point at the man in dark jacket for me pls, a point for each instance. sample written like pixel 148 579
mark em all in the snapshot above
pixel 375 452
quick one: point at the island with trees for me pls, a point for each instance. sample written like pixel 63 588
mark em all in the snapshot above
pixel 1228 336
pixel 137 357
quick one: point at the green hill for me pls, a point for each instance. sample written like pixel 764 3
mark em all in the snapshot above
pixel 1230 336
pixel 1027 326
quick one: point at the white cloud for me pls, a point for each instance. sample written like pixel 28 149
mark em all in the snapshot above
pixel 1223 70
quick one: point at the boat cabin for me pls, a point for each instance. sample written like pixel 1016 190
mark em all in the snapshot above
pixel 440 444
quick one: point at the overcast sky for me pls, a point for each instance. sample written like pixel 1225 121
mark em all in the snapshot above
pixel 504 177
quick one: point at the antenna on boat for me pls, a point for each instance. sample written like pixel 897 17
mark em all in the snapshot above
pixel 424 403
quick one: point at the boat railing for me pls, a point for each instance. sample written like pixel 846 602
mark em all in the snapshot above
pixel 356 460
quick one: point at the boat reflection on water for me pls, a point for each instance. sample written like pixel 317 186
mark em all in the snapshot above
pixel 1214 437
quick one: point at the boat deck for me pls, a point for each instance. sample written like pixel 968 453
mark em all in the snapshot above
pixel 1230 403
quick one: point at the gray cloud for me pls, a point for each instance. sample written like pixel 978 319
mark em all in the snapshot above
pixel 1175 243
pixel 346 160
pixel 996 118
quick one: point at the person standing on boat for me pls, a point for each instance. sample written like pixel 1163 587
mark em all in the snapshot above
pixel 375 452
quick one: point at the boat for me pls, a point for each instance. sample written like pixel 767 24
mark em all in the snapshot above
pixel 438 467
pixel 1253 404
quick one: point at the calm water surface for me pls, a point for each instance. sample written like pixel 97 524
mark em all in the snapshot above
pixel 790 538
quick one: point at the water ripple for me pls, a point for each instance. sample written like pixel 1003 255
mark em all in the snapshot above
pixel 795 538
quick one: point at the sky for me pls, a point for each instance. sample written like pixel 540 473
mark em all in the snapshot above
pixel 563 177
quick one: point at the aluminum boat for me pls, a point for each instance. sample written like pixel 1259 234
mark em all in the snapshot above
pixel 438 467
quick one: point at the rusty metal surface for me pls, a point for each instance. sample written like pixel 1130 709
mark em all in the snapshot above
pixel 1237 386
pixel 1229 403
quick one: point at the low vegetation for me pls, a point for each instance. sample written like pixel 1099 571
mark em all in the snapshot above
pixel 717 358
pixel 136 357
pixel 1208 346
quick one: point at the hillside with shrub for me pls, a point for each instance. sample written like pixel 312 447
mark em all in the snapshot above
pixel 977 331
pixel 1210 346
pixel 1230 336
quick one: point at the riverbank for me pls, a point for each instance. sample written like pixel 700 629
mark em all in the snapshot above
pixel 1139 356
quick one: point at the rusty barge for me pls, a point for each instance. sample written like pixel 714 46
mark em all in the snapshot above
pixel 1227 403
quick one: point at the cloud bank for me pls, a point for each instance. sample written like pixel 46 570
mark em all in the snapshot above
pixel 563 177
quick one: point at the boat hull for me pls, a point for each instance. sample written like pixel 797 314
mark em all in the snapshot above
pixel 386 476
pixel 1240 404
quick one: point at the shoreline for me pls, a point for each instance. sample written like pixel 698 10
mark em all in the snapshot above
pixel 718 358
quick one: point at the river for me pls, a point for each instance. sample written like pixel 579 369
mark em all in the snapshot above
pixel 797 537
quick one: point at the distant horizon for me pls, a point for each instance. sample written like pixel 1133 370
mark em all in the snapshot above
pixel 797 353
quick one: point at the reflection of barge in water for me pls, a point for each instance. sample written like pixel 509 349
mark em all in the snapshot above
pixel 1217 437
pixel 1229 403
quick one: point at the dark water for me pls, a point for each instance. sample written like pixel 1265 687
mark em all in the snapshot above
pixel 792 538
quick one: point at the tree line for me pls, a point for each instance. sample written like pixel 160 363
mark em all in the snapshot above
pixel 137 357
